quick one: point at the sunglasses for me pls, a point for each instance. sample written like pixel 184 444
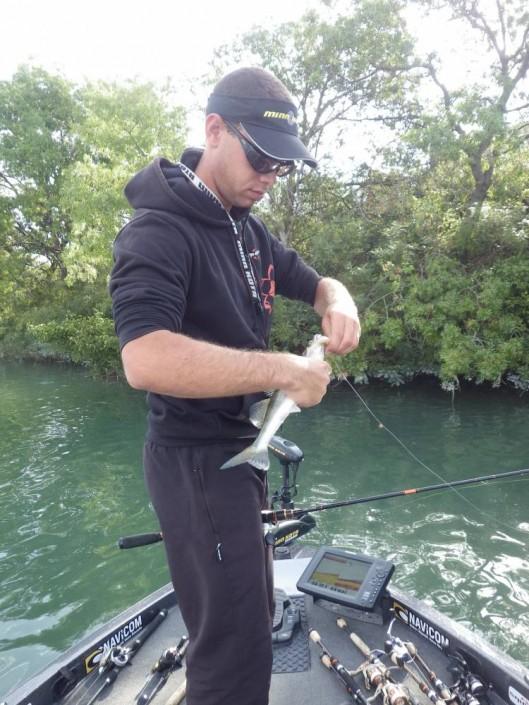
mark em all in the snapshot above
pixel 259 161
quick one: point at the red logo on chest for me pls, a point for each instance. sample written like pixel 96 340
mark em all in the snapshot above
pixel 268 289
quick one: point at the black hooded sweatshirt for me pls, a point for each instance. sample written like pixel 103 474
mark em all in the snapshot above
pixel 186 265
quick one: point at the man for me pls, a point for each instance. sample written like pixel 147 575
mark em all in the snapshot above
pixel 193 286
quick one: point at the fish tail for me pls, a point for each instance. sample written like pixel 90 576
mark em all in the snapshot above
pixel 257 458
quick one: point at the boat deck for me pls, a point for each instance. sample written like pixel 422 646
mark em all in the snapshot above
pixel 299 678
pixel 314 685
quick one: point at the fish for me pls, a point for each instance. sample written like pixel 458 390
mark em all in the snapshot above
pixel 269 414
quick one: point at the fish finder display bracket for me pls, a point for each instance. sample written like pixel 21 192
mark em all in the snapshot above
pixel 353 580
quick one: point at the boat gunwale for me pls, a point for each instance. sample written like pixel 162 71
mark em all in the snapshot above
pixel 43 687
pixel 497 666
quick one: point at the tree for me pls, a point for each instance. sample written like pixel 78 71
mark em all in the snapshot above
pixel 480 121
pixel 124 127
pixel 339 72
pixel 38 113
pixel 65 156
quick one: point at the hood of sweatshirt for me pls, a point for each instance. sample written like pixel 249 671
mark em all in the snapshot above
pixel 163 185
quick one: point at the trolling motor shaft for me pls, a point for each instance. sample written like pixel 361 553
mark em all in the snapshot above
pixel 290 456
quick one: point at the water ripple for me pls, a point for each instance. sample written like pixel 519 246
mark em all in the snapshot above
pixel 70 449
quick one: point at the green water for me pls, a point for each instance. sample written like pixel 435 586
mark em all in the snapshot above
pixel 71 484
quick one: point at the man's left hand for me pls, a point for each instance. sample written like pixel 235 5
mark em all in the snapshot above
pixel 339 317
pixel 340 323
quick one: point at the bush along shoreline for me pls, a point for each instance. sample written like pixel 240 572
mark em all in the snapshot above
pixel 433 243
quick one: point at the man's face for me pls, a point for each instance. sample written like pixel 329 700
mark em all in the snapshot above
pixel 234 179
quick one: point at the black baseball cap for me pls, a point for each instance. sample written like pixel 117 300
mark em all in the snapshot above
pixel 271 124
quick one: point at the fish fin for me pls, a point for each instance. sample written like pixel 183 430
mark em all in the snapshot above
pixel 256 458
pixel 258 412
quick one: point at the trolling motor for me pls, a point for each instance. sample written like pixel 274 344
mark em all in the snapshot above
pixel 282 534
pixel 286 532
pixel 290 457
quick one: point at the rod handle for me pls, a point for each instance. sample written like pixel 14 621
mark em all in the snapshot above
pixel 314 636
pixel 360 644
pixel 140 540
pixel 324 658
pixel 146 632
pixel 178 695
pixel 413 650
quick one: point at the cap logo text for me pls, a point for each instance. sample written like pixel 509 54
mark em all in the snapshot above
pixel 289 117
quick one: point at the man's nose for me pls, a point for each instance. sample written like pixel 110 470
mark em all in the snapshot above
pixel 269 179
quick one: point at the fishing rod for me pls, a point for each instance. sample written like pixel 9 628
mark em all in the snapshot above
pixel 404 654
pixel 112 662
pixel 281 535
pixel 377 674
pixel 272 516
pixel 169 661
pixel 426 670
pixel 332 663
pixel 372 655
pixel 469 687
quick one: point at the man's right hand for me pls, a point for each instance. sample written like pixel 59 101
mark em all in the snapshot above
pixel 307 379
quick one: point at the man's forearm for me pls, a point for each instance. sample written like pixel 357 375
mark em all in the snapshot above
pixel 331 292
pixel 176 365
pixel 339 316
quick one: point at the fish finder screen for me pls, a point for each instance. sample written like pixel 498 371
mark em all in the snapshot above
pixel 339 574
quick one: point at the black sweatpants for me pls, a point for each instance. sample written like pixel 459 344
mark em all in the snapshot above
pixel 220 568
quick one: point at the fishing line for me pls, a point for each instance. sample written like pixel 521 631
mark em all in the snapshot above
pixel 343 378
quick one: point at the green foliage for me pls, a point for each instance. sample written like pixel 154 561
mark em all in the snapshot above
pixel 433 243
pixel 65 156
pixel 38 112
pixel 86 340
pixel 332 67
pixel 334 70
pixel 124 127
pixel 294 325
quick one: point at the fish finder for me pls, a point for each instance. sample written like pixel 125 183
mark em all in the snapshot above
pixel 353 580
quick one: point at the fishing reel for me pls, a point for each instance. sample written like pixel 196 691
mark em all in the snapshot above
pixel 116 657
pixel 468 686
pixel 400 652
pixel 171 659
pixel 405 655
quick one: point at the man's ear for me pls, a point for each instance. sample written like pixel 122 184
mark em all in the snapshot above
pixel 215 127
